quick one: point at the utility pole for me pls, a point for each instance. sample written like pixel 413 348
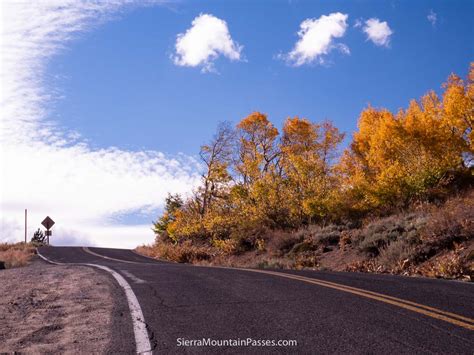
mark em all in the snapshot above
pixel 26 223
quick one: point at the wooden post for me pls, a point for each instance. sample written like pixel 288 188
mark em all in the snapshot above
pixel 26 223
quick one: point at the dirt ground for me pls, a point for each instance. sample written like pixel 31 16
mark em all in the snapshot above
pixel 59 309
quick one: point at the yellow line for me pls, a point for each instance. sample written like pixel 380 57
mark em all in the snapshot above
pixel 412 306
pixel 432 312
pixel 87 250
pixel 394 299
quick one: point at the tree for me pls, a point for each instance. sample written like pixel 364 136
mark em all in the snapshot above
pixel 394 159
pixel 216 156
pixel 257 149
pixel 307 152
pixel 38 237
pixel 172 205
pixel 458 111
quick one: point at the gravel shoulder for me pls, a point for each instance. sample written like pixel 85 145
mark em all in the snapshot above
pixel 63 309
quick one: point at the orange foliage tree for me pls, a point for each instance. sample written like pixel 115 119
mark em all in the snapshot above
pixel 255 178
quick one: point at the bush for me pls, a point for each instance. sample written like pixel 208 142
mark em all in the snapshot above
pixel 380 233
pixel 396 255
pixel 182 253
pixel 270 264
pixel 451 223
pixel 281 242
pixel 38 238
pixel 451 266
pixel 227 246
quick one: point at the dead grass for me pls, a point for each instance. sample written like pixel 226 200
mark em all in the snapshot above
pixel 16 255
pixel 180 253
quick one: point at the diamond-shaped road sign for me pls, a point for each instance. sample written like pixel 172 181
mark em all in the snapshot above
pixel 48 222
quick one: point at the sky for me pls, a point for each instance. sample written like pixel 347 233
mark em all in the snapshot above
pixel 103 105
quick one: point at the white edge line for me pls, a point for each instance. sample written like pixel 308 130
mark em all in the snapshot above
pixel 87 250
pixel 139 329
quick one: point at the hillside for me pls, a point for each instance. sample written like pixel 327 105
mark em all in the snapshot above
pixel 398 199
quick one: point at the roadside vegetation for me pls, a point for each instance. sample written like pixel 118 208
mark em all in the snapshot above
pixel 15 254
pixel 19 254
pixel 399 199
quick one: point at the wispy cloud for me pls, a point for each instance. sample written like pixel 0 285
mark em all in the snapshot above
pixel 206 40
pixel 432 17
pixel 379 32
pixel 50 171
pixel 316 39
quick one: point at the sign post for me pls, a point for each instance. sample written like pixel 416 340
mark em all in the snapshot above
pixel 26 222
pixel 48 223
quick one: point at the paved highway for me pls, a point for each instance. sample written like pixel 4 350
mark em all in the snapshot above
pixel 324 312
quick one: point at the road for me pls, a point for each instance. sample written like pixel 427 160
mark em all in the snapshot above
pixel 325 312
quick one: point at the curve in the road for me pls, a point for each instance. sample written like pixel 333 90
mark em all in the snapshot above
pixel 432 312
pixel 316 309
pixel 87 250
pixel 449 317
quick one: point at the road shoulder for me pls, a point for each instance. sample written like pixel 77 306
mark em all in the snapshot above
pixel 49 309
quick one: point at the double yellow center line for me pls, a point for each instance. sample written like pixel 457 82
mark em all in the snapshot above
pixel 449 317
pixel 432 312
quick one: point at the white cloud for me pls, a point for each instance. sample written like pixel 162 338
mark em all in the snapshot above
pixel 48 170
pixel 432 17
pixel 316 37
pixel 204 42
pixel 358 23
pixel 378 32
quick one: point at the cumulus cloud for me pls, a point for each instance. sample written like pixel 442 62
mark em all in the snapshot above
pixel 52 171
pixel 378 32
pixel 316 39
pixel 432 17
pixel 204 42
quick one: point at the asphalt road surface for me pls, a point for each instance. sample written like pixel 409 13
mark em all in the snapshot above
pixel 325 312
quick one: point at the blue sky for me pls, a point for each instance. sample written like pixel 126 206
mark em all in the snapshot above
pixel 121 87
pixel 104 107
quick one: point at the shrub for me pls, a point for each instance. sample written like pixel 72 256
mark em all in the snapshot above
pixel 270 264
pixel 450 266
pixel 281 242
pixel 227 246
pixel 328 235
pixel 182 253
pixel 378 234
pixel 396 255
pixel 305 260
pixel 451 223
pixel 38 237
pixel 302 247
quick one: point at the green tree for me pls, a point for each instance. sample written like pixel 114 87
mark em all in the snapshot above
pixel 172 205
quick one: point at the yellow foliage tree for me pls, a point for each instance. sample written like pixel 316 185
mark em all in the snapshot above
pixel 261 179
pixel 396 158
pixel 307 150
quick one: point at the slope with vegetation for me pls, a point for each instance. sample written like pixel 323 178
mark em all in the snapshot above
pixel 15 254
pixel 398 199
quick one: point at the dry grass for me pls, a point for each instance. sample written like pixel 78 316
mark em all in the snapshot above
pixel 180 253
pixel 16 255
